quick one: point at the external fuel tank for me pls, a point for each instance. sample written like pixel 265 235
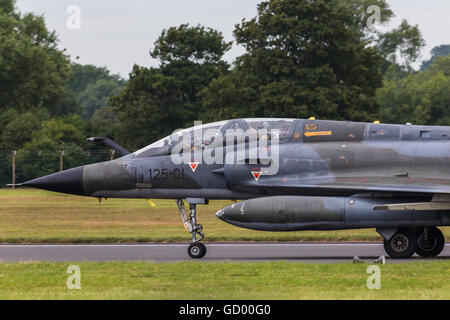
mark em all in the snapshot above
pixel 291 213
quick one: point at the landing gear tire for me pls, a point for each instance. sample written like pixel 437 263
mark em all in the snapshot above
pixel 430 242
pixel 197 250
pixel 402 245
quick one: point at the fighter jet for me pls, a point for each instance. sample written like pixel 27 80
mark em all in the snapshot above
pixel 289 175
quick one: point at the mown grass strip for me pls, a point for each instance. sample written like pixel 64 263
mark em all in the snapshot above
pixel 193 280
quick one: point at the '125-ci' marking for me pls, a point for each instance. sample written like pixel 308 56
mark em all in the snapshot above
pixel 164 174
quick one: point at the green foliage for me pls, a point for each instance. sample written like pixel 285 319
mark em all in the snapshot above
pixel 92 86
pixel 405 41
pixel 194 44
pixel 40 95
pixel 304 58
pixel 103 123
pixel 143 116
pixel 33 72
pixel 400 45
pixel 421 98
pixel 7 6
pixel 155 101
pixel 440 51
pixel 21 127
pixel 40 156
pixel 311 58
pixel 96 96
pixel 33 81
pixel 85 75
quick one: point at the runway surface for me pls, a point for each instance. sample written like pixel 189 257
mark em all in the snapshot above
pixel 298 252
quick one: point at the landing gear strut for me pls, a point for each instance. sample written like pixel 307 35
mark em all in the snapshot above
pixel 196 250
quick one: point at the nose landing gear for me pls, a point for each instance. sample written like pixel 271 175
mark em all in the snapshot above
pixel 196 250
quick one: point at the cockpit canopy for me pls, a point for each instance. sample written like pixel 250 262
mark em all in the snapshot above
pixel 209 134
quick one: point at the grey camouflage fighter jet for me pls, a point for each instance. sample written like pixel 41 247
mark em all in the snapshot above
pixel 290 175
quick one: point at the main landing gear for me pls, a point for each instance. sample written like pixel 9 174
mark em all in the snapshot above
pixel 196 250
pixel 430 242
pixel 426 242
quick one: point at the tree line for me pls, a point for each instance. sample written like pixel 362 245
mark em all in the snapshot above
pixel 302 58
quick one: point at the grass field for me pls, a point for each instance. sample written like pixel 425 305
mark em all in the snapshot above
pixel 274 280
pixel 33 216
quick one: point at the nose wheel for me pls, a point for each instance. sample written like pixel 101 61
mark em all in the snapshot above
pixel 196 249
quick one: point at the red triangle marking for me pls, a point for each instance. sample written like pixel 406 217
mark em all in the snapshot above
pixel 193 165
pixel 256 175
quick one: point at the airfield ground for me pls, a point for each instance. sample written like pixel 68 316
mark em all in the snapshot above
pixel 31 216
pixel 194 280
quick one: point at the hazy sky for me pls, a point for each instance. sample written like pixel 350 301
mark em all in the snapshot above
pixel 117 34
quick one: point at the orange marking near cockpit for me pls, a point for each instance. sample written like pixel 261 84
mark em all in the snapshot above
pixel 318 133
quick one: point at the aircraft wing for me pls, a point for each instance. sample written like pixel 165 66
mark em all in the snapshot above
pixel 419 206
pixel 439 202
pixel 355 188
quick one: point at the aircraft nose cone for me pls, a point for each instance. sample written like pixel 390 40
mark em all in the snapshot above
pixel 231 213
pixel 68 181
